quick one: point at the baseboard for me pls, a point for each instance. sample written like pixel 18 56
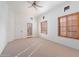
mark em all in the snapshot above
pixel 59 43
pixel 22 38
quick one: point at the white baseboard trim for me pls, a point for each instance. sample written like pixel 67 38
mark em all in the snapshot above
pixel 59 43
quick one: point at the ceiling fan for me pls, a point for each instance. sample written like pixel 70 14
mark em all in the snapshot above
pixel 34 4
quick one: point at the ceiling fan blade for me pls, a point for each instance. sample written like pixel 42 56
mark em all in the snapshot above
pixel 39 6
pixel 35 7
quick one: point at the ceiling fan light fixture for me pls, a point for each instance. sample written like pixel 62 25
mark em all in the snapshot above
pixel 34 4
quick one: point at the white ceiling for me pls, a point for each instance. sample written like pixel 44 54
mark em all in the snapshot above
pixel 21 7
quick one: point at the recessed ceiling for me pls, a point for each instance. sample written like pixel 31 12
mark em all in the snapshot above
pixel 21 7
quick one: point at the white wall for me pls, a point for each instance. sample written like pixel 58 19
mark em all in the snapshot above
pixel 11 25
pixel 3 24
pixel 52 18
pixel 21 26
pixel 17 24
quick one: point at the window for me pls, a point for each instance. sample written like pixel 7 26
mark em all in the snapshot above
pixel 68 26
pixel 44 27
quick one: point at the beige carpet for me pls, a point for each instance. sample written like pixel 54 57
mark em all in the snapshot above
pixel 36 47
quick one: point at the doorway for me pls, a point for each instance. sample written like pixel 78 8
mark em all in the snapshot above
pixel 29 29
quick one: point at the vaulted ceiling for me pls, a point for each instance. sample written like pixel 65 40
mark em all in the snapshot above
pixel 21 7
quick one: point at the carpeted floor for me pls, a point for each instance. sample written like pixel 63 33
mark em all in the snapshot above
pixel 36 47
